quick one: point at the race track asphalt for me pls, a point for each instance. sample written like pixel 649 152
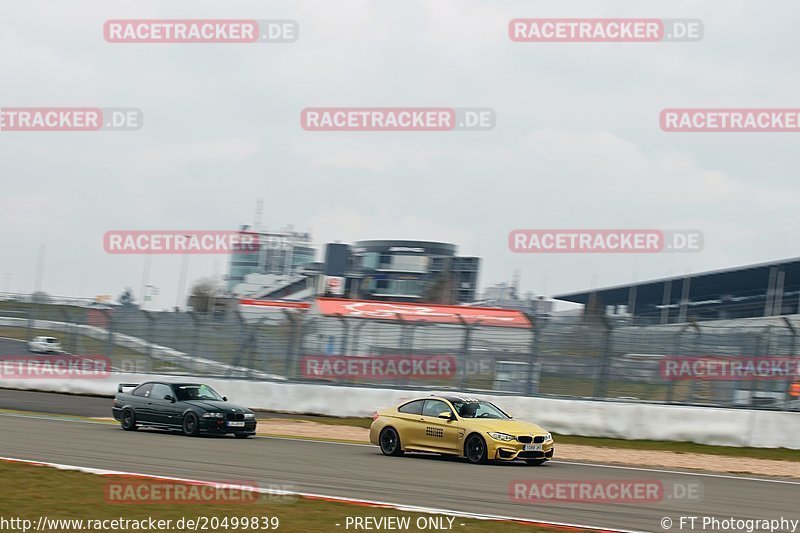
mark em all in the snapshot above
pixel 357 471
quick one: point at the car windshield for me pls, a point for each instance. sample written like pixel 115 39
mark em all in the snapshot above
pixel 196 392
pixel 478 410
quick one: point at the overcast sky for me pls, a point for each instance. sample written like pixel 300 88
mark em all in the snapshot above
pixel 577 142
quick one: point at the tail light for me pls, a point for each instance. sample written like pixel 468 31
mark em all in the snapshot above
pixel 375 416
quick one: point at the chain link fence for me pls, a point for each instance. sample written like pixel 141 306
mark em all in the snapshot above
pixel 568 357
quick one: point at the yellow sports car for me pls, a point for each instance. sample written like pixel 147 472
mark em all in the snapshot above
pixel 465 427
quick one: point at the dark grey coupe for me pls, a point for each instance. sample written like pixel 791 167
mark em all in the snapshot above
pixel 193 408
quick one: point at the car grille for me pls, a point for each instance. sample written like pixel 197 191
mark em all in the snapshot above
pixel 527 439
pixel 234 416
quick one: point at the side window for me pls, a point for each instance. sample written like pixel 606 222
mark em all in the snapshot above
pixel 411 408
pixel 484 409
pixel 434 407
pixel 160 390
pixel 143 390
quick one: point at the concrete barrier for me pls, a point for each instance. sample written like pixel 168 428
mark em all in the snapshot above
pixel 702 425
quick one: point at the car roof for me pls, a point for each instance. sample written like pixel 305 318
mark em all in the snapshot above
pixel 176 384
pixel 451 399
pixel 463 399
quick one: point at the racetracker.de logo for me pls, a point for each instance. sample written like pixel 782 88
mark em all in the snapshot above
pixel 386 367
pixel 613 491
pixel 167 492
pixel 201 31
pixel 397 119
pixel 610 30
pixel 603 241
pixel 179 242
pixel 744 120
pixel 730 368
pixel 70 119
pixel 55 367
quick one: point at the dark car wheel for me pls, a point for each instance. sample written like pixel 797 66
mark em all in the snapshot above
pixel 475 450
pixel 128 420
pixel 191 425
pixel 536 462
pixel 390 442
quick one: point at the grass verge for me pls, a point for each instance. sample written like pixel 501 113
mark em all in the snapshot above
pixel 30 492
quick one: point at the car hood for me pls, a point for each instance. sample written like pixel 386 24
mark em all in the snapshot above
pixel 225 407
pixel 512 427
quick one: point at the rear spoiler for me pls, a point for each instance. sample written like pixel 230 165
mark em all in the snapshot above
pixel 125 385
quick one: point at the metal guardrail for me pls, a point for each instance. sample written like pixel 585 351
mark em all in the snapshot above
pixel 558 357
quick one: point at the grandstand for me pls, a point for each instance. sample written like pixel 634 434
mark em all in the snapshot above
pixel 767 289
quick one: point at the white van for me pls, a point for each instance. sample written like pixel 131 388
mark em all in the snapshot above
pixel 44 345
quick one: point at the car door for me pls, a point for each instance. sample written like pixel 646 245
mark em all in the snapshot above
pixel 173 411
pixel 437 434
pixel 139 399
pixel 408 424
pixel 162 410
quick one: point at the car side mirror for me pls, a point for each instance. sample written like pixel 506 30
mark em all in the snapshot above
pixel 170 398
pixel 224 398
pixel 447 415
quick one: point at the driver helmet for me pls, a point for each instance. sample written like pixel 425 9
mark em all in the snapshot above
pixel 468 410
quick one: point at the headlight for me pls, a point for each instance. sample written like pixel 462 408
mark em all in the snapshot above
pixel 548 437
pixel 249 415
pixel 213 415
pixel 501 436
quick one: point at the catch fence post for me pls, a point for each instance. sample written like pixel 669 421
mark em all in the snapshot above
pixel 110 338
pixel 601 387
pixel 534 357
pixel 465 349
pixel 788 382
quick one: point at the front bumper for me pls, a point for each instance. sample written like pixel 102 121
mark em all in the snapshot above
pixel 219 426
pixel 512 450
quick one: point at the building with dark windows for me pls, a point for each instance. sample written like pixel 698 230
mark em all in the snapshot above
pixel 767 289
pixel 278 254
pixel 400 270
pixel 390 270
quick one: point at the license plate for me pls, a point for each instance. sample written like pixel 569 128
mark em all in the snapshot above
pixel 532 448
pixel 241 425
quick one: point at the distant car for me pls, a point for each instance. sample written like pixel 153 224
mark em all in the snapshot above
pixel 463 427
pixel 44 345
pixel 193 408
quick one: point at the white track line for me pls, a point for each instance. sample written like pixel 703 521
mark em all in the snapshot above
pixel 67 418
pixel 574 463
pixel 686 473
pixel 341 499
